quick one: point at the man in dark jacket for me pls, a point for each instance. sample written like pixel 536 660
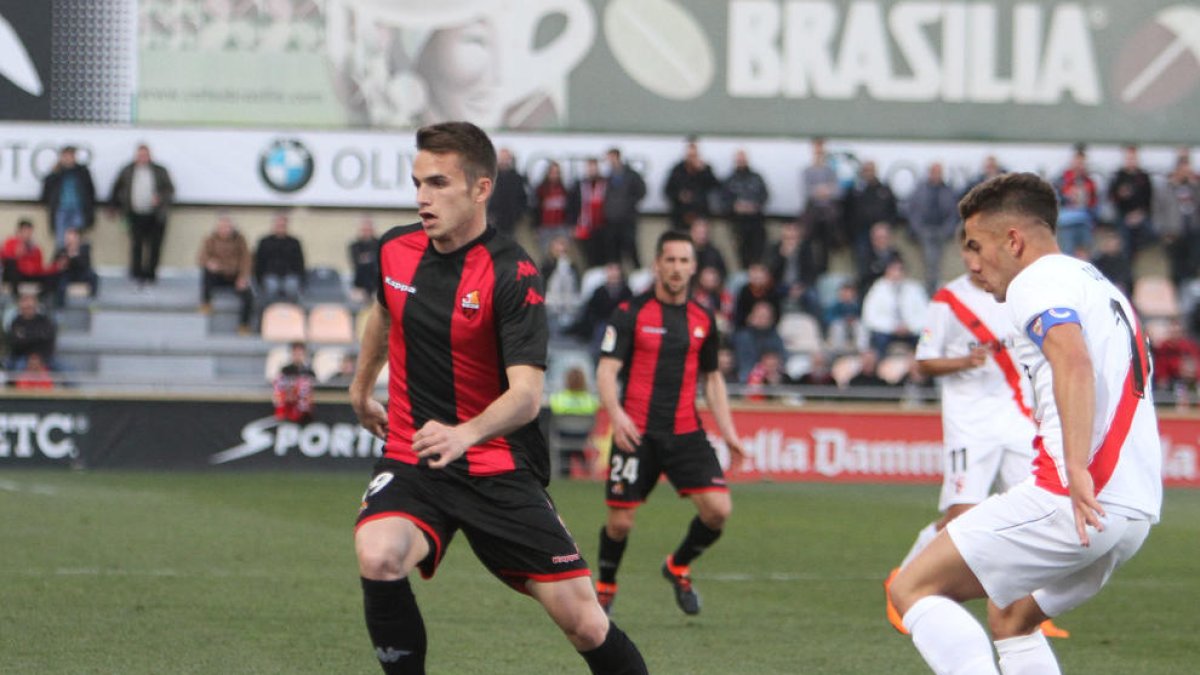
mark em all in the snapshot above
pixel 869 201
pixel 933 217
pixel 623 191
pixel 143 192
pixel 688 187
pixel 31 332
pixel 746 197
pixel 364 258
pixel 279 263
pixel 510 196
pixel 69 194
pixel 1132 194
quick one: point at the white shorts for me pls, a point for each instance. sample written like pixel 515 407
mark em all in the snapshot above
pixel 1024 542
pixel 971 468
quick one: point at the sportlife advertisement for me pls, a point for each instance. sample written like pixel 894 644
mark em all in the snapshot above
pixel 1105 71
pixel 865 446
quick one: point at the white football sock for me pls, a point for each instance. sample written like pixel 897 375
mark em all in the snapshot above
pixel 1027 655
pixel 950 640
pixel 923 538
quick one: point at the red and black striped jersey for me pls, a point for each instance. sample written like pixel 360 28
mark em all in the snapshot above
pixel 663 349
pixel 458 320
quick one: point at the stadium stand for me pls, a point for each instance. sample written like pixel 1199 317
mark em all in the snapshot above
pixel 284 322
pixel 330 323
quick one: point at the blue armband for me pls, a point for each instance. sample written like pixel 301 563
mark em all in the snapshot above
pixel 1042 323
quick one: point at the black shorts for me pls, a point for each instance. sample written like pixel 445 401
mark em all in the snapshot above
pixel 689 461
pixel 508 519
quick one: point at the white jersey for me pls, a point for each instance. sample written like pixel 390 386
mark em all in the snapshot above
pixel 986 406
pixel 1126 453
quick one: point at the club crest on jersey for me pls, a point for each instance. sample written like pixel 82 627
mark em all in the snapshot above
pixel 1036 327
pixel 470 304
pixel 698 333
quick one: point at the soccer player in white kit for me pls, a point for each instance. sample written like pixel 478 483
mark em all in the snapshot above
pixel 1051 542
pixel 987 425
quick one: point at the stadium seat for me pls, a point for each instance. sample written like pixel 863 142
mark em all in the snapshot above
pixel 845 368
pixel 827 287
pixel 800 332
pixel 1155 297
pixel 330 323
pixel 798 365
pixel 568 437
pixel 283 322
pixel 641 280
pixel 277 358
pixel 894 368
pixel 327 362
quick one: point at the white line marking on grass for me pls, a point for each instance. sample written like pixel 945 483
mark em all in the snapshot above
pixel 33 488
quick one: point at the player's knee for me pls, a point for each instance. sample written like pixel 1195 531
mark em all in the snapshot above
pixel 1010 624
pixel 588 630
pixel 619 524
pixel 902 592
pixel 379 562
pixel 716 515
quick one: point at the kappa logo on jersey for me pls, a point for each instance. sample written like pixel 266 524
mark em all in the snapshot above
pixel 470 304
pixel 532 297
pixel 526 269
pixel 610 340
pixel 391 654
pixel 400 286
pixel 654 330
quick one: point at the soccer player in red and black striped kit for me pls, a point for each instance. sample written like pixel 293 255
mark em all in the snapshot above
pixel 663 345
pixel 460 321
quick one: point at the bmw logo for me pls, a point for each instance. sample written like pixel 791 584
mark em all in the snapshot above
pixel 286 165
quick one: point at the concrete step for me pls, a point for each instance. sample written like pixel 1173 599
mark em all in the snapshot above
pixel 108 323
pixel 172 368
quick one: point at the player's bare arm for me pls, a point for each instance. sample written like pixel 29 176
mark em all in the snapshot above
pixel 515 408
pixel 1075 396
pixel 625 433
pixel 372 355
pixel 718 402
pixel 951 365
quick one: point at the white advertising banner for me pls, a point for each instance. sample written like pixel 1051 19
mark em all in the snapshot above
pixel 372 169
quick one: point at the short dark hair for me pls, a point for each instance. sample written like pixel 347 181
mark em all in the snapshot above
pixel 1025 194
pixel 672 235
pixel 472 145
pixel 24 223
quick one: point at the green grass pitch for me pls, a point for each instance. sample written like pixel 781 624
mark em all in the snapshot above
pixel 254 573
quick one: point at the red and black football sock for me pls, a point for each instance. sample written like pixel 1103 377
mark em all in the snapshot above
pixel 699 537
pixel 395 625
pixel 617 655
pixel 611 552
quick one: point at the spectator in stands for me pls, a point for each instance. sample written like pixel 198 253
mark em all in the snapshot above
pixel 746 197
pixel 757 337
pixel 1077 206
pixel 69 195
pixel 550 207
pixel 768 372
pixel 760 286
pixel 23 262
pixel 894 309
pixel 711 294
pixel 1112 260
pixel 224 258
pixel 818 374
pixel 623 193
pixel 707 255
pixel 590 323
pixel 74 262
pixel 364 258
pixel 279 263
pixel 688 187
pixel 143 192
pixel 793 265
pixel 822 209
pixel 1181 222
pixel 933 216
pixel 36 375
pixel 585 208
pixel 510 194
pixel 990 169
pixel 843 318
pixel 574 398
pixel 1132 193
pixel 727 363
pixel 293 388
pixel 31 333
pixel 562 284
pixel 868 374
pixel 1176 356
pixel 881 253
pixel 867 202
